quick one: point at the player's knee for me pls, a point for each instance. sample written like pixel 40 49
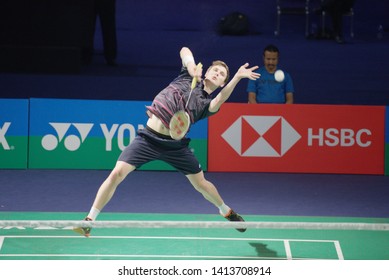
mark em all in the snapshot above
pixel 117 175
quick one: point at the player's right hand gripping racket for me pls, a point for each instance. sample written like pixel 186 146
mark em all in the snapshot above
pixel 180 121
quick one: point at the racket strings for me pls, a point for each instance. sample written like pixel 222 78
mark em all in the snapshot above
pixel 179 123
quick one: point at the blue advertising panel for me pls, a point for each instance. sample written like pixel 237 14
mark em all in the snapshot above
pixel 90 134
pixel 13 133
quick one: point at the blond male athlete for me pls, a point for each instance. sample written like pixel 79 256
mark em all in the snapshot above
pixel 154 142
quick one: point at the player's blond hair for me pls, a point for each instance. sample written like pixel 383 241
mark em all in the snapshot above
pixel 223 64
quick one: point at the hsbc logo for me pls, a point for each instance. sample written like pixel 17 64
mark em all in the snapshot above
pixel 330 139
pixel 344 137
pixel 261 136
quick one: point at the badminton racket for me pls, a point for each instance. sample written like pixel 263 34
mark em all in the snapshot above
pixel 180 121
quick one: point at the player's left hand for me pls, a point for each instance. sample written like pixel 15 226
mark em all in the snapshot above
pixel 245 72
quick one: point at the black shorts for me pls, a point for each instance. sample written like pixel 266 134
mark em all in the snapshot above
pixel 149 145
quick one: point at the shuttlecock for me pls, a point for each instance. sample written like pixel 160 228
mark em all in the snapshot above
pixel 279 76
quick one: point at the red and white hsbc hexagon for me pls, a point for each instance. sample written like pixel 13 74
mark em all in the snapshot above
pixel 297 138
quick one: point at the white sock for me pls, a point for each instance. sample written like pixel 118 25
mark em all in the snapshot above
pixel 93 213
pixel 224 210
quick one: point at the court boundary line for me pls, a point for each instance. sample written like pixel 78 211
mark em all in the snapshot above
pixel 288 250
pixel 286 243
pixel 339 250
pixel 1 241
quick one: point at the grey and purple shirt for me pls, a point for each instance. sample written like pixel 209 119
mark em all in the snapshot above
pixel 173 98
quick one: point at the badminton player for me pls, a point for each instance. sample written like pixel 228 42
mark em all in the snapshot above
pixel 155 143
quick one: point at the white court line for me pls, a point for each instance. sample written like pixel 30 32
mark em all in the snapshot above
pixel 339 250
pixel 285 242
pixel 1 241
pixel 288 250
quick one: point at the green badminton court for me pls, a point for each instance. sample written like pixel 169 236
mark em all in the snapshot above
pixel 49 243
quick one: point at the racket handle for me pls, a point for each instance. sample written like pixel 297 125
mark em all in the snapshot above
pixel 194 80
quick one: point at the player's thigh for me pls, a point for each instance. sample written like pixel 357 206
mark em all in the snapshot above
pixel 183 160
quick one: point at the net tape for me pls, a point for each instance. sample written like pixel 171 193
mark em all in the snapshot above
pixel 195 224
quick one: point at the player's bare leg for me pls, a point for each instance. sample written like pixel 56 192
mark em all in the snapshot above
pixel 209 191
pixel 108 187
pixel 105 193
pixel 206 188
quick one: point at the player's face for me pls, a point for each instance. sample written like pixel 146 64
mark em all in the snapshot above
pixel 216 75
pixel 270 60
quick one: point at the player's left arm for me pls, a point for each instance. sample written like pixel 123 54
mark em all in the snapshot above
pixel 225 93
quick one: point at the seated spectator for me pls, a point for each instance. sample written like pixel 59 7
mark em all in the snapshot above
pixel 266 89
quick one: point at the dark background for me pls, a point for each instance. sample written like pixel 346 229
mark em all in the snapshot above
pixel 40 47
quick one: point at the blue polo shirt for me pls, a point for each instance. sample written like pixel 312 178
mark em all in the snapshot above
pixel 268 90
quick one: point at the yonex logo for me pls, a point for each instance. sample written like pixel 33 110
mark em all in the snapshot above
pixel 261 136
pixel 3 131
pixel 72 142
